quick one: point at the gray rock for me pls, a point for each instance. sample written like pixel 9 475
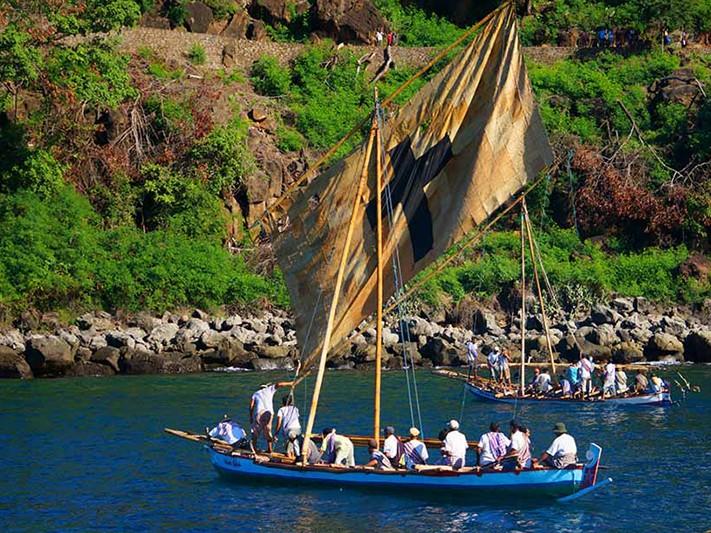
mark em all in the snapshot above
pixel 89 369
pixel 197 326
pixel 48 355
pixel 99 322
pixel 13 339
pixel 177 363
pixel 662 344
pixel 71 339
pixel 642 305
pixel 198 17
pixel 626 353
pixel 674 326
pixel 440 352
pixel 138 334
pixel 108 356
pixel 119 339
pixel 390 338
pixel 256 325
pixel 202 315
pixel 601 314
pixel 13 365
pixel 271 352
pixel 139 362
pixel 211 339
pixel 97 341
pixel 419 326
pixel 635 320
pixel 641 335
pixel 623 305
pixel 163 334
pixel 604 335
pixel 485 322
pixel 364 354
pixel 697 346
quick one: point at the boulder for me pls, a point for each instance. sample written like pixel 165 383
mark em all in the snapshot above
pixel 13 365
pixel 119 339
pixel 229 55
pixel 211 339
pixel 349 21
pixel 257 31
pixel 485 322
pixel 89 369
pixel 100 322
pixel 12 338
pixel 198 17
pixel 601 314
pixel 231 322
pixel 237 26
pixel 674 326
pixel 419 326
pixel 364 354
pixel 163 334
pixel 626 353
pixel 178 363
pixel 663 344
pixel 140 362
pixel 48 355
pixel 439 351
pixel 108 356
pixel 271 352
pixel 279 11
pixel 697 346
pixel 284 363
pixel 623 305
pixel 604 335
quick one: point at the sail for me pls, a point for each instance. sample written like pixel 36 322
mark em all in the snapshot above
pixel 469 140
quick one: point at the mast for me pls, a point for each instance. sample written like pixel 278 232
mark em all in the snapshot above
pixel 538 286
pixel 523 303
pixel 379 238
pixel 357 200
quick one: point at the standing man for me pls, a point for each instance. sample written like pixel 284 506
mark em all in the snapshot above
pixel 586 371
pixel 608 382
pixel 261 411
pixel 504 371
pixel 379 38
pixel 455 446
pixel 472 355
pixel 492 361
pixel 287 417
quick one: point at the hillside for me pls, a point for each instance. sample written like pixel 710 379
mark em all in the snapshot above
pixel 135 159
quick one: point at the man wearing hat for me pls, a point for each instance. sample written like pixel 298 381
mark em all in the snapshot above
pixel 563 451
pixel 261 411
pixel 455 446
pixel 415 450
pixel 392 447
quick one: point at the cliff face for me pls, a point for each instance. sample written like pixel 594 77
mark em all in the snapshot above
pixel 461 12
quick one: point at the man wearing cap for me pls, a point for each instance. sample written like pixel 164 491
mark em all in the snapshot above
pixel 415 450
pixel 455 446
pixel 563 451
pixel 261 411
pixel 392 447
pixel 378 459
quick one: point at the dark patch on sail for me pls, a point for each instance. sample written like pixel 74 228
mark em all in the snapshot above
pixel 407 188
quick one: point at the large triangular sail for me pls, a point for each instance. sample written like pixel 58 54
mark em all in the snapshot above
pixel 469 140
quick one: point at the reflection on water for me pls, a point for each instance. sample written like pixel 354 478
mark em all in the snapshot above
pixel 90 453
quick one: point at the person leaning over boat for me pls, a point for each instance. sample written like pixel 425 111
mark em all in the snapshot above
pixel 415 450
pixel 641 383
pixel 378 459
pixel 492 446
pixel 455 446
pixel 562 452
pixel 621 381
pixel 542 385
pixel 519 452
pixel 393 447
pixel 261 412
pixel 336 449
pixel 295 445
pixel 608 382
pixel 287 417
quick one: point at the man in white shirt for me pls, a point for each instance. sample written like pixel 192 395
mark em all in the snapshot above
pixel 608 387
pixel 586 370
pixel 492 446
pixel 472 355
pixel 455 446
pixel 563 451
pixel 392 447
pixel 261 411
pixel 543 382
pixel 415 450
pixel 519 452
pixel 492 360
pixel 378 459
pixel 287 417
pixel 337 449
pixel 227 431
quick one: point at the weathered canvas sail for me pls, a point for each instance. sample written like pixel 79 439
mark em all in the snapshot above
pixel 468 141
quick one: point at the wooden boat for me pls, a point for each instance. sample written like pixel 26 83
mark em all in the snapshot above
pixel 433 170
pixel 482 389
pixel 244 464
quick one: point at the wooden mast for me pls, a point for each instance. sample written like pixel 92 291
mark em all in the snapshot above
pixel 379 316
pixel 523 304
pixel 357 200
pixel 538 286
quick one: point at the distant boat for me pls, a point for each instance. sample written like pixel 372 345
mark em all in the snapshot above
pixel 429 174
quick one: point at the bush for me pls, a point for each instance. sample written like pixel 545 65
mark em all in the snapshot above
pixel 196 54
pixel 269 77
pixel 288 139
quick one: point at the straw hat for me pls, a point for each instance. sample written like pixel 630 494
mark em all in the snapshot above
pixel 453 424
pixel 414 432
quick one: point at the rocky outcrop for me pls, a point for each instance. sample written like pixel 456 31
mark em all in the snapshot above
pixel 198 17
pixel 697 347
pixel 13 364
pixel 348 21
pixel 48 355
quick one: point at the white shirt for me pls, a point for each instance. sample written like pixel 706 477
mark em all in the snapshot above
pixel 228 431
pixel 486 454
pixel 289 415
pixel 493 358
pixel 543 382
pixel 390 447
pixel 417 449
pixel 503 361
pixel 563 444
pixel 610 374
pixel 522 446
pixel 455 443
pixel 264 399
pixel 472 352
pixel 379 36
pixel 586 368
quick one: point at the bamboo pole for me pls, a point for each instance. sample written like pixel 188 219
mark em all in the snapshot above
pixel 538 287
pixel 311 172
pixel 523 303
pixel 379 317
pixel 357 200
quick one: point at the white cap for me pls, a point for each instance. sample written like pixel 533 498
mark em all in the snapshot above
pixel 453 424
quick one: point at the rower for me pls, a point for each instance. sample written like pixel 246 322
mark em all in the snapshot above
pixel 261 412
pixel 337 449
pixel 393 448
pixel 378 459
pixel 455 446
pixel 641 383
pixel 415 450
pixel 621 381
pixel 519 452
pixel 492 446
pixel 563 451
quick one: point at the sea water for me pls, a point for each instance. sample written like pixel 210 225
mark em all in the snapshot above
pixel 90 454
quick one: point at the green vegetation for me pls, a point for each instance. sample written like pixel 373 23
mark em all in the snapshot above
pixel 269 77
pixel 416 27
pixel 197 55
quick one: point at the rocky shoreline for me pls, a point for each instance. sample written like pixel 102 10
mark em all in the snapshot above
pixel 627 330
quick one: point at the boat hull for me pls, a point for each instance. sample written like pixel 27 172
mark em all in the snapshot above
pixel 533 481
pixel 657 399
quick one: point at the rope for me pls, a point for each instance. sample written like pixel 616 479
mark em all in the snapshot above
pixel 572 193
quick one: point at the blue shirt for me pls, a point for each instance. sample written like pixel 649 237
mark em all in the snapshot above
pixel 573 374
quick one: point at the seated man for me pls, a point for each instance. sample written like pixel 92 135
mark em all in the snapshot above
pixel 337 449
pixel 492 446
pixel 621 381
pixel 641 383
pixel 455 446
pixel 543 383
pixel 393 448
pixel 563 451
pixel 519 453
pixel 415 450
pixel 378 460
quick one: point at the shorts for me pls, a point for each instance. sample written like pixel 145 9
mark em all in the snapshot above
pixel 263 424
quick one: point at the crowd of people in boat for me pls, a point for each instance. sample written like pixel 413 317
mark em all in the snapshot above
pixel 494 449
pixel 583 379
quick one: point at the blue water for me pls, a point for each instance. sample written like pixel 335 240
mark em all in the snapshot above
pixel 89 454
